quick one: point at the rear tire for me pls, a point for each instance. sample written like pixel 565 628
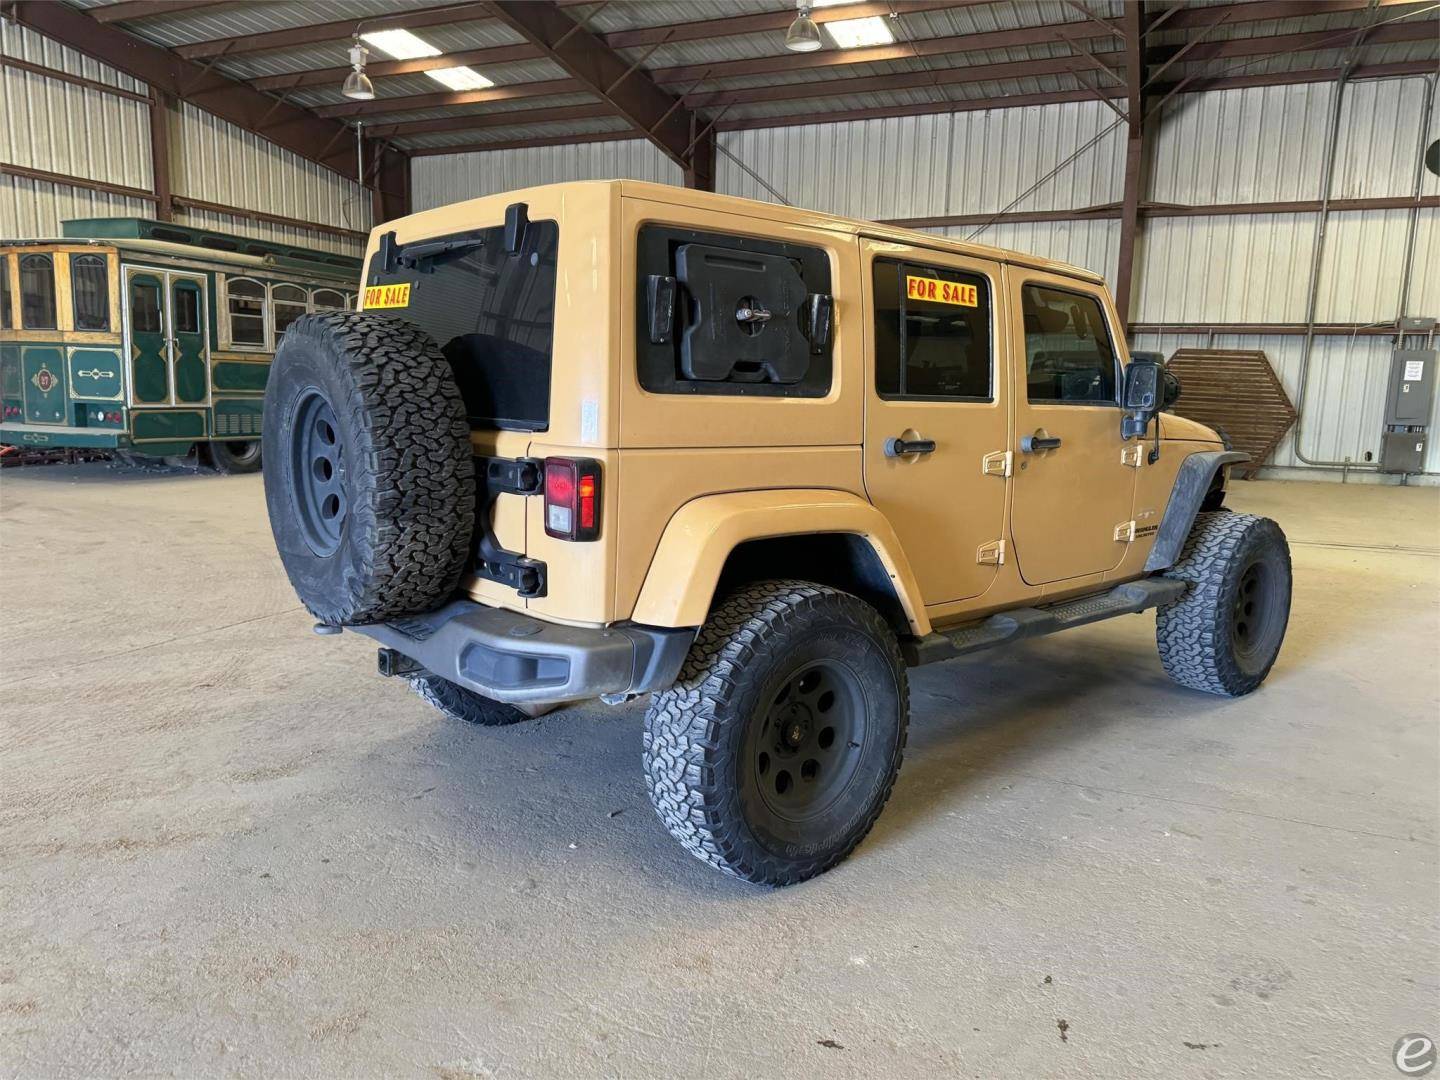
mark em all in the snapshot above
pixel 235 458
pixel 458 703
pixel 777 747
pixel 369 473
pixel 1224 634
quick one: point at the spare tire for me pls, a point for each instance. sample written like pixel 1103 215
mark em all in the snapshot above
pixel 369 473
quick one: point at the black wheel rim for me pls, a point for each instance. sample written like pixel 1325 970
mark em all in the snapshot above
pixel 1255 614
pixel 808 741
pixel 242 453
pixel 317 470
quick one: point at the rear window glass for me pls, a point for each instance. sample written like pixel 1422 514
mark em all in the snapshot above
pixel 492 314
pixel 37 292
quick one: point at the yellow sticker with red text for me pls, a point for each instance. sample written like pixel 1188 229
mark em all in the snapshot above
pixel 383 296
pixel 942 292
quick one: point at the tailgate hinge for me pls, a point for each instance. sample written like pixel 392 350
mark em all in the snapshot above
pixel 991 554
pixel 998 463
pixel 506 476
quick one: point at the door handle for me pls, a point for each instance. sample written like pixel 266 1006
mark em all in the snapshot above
pixel 899 447
pixel 1029 444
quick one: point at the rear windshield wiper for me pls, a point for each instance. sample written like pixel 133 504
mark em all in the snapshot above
pixel 424 251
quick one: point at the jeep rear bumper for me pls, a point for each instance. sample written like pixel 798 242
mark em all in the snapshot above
pixel 517 658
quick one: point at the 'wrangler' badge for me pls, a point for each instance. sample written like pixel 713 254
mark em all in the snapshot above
pixel 942 292
pixel 44 380
pixel 383 296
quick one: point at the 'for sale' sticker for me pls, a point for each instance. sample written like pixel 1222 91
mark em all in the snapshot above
pixel 941 292
pixel 387 296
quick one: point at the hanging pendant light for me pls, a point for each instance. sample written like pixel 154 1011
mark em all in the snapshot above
pixel 358 86
pixel 803 35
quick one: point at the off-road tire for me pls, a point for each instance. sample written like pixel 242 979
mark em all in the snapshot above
pixel 458 703
pixel 1200 636
pixel 235 458
pixel 405 468
pixel 696 731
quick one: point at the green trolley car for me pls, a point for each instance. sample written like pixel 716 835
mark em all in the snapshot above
pixel 149 338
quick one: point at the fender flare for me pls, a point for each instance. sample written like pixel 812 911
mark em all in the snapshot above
pixel 1191 484
pixel 680 584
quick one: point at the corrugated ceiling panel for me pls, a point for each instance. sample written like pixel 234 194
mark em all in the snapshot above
pixel 1252 268
pixel 219 162
pixel 31 209
pixel 1259 144
pixel 436 181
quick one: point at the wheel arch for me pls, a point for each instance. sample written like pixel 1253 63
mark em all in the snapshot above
pixel 833 538
pixel 1191 487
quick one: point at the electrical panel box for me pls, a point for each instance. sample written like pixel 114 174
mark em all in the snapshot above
pixel 1408 405
pixel 1412 388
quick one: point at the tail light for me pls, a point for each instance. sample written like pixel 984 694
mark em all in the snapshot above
pixel 572 498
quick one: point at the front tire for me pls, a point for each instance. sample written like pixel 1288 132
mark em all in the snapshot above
pixel 777 747
pixel 1223 635
pixel 464 705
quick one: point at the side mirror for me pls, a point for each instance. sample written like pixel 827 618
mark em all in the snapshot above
pixel 1172 389
pixel 1143 377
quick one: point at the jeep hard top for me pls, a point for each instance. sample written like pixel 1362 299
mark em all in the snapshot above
pixel 610 439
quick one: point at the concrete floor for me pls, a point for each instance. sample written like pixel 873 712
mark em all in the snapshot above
pixel 228 847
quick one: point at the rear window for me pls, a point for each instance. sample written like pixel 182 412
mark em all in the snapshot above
pixel 492 314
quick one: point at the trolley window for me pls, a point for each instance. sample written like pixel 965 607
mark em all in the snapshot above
pixel 145 307
pixel 328 300
pixel 288 303
pixel 90 292
pixel 246 306
pixel 37 292
pixel 7 299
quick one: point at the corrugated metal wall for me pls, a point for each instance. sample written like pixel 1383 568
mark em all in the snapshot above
pixel 1259 144
pixel 60 127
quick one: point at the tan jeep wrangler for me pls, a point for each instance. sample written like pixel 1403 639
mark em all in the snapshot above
pixel 607 439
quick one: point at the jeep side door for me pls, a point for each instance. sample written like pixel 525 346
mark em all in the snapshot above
pixel 936 413
pixel 1073 487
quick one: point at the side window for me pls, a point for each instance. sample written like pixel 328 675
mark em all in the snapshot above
pixel 7 298
pixel 245 301
pixel 1068 353
pixel 328 300
pixel 90 292
pixel 288 303
pixel 719 313
pixel 37 292
pixel 932 333
pixel 145 307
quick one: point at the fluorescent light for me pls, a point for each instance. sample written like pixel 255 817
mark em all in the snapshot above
pixel 460 78
pixel 857 33
pixel 401 44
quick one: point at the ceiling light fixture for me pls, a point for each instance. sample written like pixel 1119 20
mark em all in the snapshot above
pixel 358 86
pixel 403 45
pixel 803 35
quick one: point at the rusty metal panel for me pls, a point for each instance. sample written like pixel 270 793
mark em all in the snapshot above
pixel 1235 391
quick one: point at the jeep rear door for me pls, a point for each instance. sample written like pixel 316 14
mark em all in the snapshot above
pixel 935 412
pixel 1073 488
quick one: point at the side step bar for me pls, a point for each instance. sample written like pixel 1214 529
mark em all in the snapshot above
pixel 1008 626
